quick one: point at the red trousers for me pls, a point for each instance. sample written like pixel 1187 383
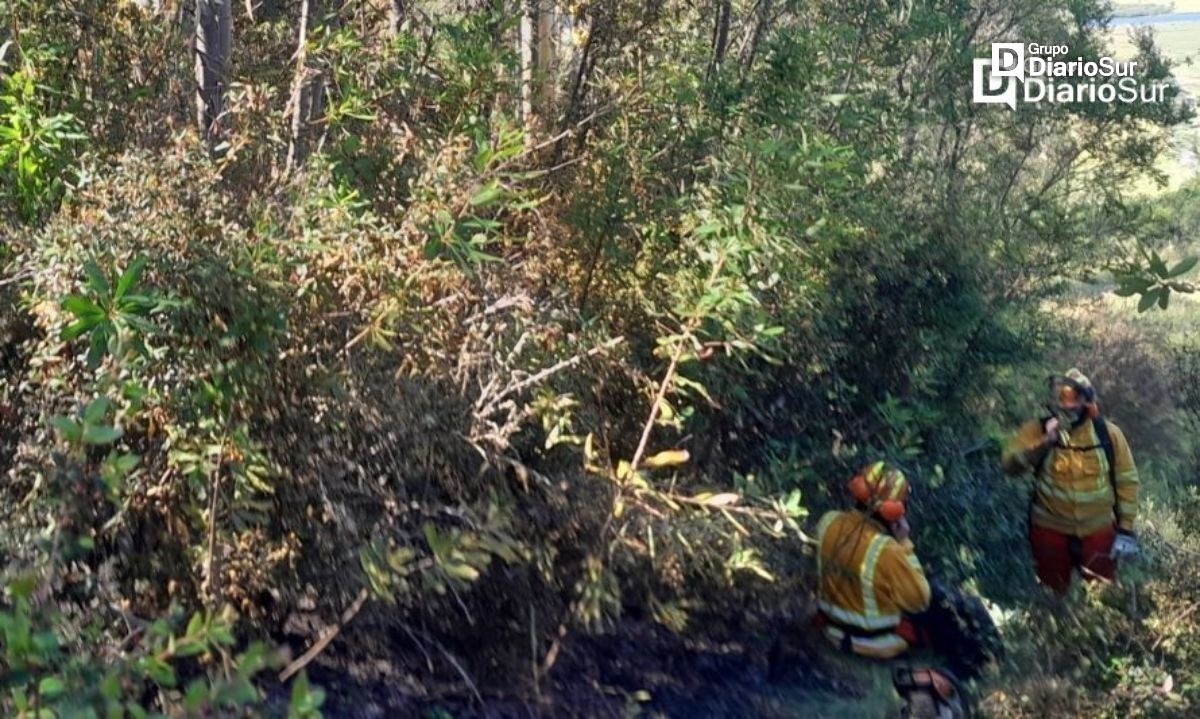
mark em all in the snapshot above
pixel 1056 555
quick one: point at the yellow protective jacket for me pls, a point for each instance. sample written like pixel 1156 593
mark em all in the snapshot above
pixel 1073 491
pixel 867 581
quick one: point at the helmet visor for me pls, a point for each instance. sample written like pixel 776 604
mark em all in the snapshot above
pixel 1067 394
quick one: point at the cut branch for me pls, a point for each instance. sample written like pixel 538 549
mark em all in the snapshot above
pixel 327 637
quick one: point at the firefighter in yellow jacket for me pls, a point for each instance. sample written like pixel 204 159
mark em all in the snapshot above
pixel 1086 486
pixel 873 595
pixel 869 575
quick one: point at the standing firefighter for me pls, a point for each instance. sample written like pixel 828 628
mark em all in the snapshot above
pixel 873 595
pixel 1086 488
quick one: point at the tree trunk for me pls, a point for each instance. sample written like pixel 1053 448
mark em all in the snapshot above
pixel 393 13
pixel 525 39
pixel 299 82
pixel 547 57
pixel 720 41
pixel 214 40
pixel 750 48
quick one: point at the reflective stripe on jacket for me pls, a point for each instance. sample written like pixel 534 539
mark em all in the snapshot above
pixel 867 580
pixel 1074 494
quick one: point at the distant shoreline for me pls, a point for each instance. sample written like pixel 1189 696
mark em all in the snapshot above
pixel 1154 19
pixel 1132 10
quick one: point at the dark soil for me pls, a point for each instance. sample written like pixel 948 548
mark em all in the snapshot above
pixel 638 670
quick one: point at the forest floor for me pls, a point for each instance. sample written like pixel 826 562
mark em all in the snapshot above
pixel 639 669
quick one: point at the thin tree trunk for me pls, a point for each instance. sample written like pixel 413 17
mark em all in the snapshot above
pixel 296 101
pixel 525 38
pixel 394 12
pixel 214 41
pixel 750 49
pixel 397 15
pixel 720 41
pixel 546 76
pixel 578 83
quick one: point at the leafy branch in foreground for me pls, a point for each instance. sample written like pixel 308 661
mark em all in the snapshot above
pixel 714 307
pixel 1149 276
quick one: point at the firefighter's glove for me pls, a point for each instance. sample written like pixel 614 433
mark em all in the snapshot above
pixel 1125 546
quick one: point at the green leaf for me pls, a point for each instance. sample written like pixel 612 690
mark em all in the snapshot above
pixel 305 700
pixel 70 430
pixel 1138 283
pixel 189 648
pixel 126 463
pixel 252 661
pixel 1157 266
pixel 488 195
pixel 197 695
pixel 51 687
pixel 97 279
pixel 82 307
pixel 96 410
pixel 1183 266
pixel 129 277
pixel 464 572
pixel 1163 295
pixel 438 544
pixel 195 624
pixel 77 328
pixel 483 158
pixel 1148 300
pixel 93 434
pixel 161 672
pixel 97 349
pixel 220 634
pixel 110 687
pixel 139 303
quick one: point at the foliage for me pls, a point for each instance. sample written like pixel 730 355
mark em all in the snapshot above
pixel 512 377
pixel 36 147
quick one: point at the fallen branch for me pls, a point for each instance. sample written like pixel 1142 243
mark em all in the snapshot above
pixel 327 637
pixel 25 275
pixel 491 404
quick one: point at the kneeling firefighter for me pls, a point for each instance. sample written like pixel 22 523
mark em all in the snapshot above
pixel 873 594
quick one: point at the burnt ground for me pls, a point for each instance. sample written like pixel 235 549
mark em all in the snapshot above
pixel 638 670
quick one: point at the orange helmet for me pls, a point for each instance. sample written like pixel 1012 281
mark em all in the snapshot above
pixel 883 489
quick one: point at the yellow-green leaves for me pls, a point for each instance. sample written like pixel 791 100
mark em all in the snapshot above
pixel 724 499
pixel 747 560
pixel 668 458
pixel 387 567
